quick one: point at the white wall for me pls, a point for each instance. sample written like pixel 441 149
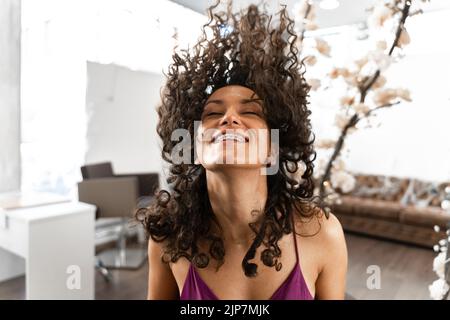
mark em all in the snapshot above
pixel 58 37
pixel 9 95
pixel 122 118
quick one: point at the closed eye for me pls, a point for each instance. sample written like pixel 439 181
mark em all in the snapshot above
pixel 213 114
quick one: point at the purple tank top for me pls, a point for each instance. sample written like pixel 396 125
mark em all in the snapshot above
pixel 293 288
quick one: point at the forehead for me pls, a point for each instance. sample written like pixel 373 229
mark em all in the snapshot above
pixel 233 91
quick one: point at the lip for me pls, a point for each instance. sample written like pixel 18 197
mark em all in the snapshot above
pixel 225 135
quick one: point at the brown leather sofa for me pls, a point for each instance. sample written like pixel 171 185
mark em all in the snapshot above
pixel 405 210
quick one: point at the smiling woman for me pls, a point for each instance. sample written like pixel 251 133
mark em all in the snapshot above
pixel 235 118
pixel 224 214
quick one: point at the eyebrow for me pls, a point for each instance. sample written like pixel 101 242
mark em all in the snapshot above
pixel 243 101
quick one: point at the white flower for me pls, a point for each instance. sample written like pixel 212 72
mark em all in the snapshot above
pixel 346 101
pixel 380 14
pixel 380 82
pixel 310 60
pixel 438 289
pixel 384 96
pixel 323 47
pixel 342 180
pixel 325 143
pixel 437 228
pixel 339 164
pixel 361 62
pixel 381 45
pixel 340 120
pixel 314 83
pixel 439 265
pixel 351 79
pixel 345 72
pixel 310 25
pixel 361 108
pixel 404 94
pixel 381 59
pixel 404 39
pixel 336 72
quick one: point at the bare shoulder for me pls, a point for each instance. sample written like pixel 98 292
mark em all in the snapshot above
pixel 155 249
pixel 332 231
pixel 325 234
pixel 161 282
pixel 331 281
pixel 333 244
pixel 319 226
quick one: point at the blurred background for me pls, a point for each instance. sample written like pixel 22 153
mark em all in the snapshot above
pixel 79 84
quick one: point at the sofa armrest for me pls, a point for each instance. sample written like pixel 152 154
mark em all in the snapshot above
pixel 114 197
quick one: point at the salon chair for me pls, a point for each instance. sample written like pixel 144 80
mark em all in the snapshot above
pixel 116 196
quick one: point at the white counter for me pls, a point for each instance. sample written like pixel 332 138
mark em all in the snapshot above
pixel 54 245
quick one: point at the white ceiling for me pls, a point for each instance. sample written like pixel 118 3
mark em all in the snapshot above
pixel 349 11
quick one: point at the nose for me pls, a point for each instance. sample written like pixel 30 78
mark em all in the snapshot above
pixel 231 119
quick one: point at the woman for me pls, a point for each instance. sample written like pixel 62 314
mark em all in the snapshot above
pixel 229 228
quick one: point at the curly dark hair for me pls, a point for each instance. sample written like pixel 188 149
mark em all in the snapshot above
pixel 247 50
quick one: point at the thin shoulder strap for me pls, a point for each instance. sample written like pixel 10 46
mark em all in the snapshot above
pixel 295 239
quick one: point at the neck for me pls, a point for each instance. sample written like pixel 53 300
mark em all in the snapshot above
pixel 238 197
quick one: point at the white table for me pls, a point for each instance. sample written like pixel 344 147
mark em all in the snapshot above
pixel 53 245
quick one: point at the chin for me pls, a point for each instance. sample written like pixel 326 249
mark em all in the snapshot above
pixel 219 164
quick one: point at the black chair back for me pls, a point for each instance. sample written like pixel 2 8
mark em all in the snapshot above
pixel 98 170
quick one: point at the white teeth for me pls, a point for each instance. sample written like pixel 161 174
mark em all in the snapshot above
pixel 230 136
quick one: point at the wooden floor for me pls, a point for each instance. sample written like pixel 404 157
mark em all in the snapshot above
pixel 406 272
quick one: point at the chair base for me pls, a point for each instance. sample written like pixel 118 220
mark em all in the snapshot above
pixel 123 259
pixel 103 271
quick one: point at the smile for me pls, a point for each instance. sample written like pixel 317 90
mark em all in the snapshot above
pixel 230 136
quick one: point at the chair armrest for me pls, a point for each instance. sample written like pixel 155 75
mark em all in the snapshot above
pixel 148 183
pixel 114 197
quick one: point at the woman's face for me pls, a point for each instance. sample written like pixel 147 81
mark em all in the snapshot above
pixel 233 130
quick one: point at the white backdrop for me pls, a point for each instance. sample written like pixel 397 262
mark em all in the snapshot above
pixel 121 122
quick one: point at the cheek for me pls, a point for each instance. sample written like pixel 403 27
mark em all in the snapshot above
pixel 259 142
pixel 204 150
pixel 204 133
